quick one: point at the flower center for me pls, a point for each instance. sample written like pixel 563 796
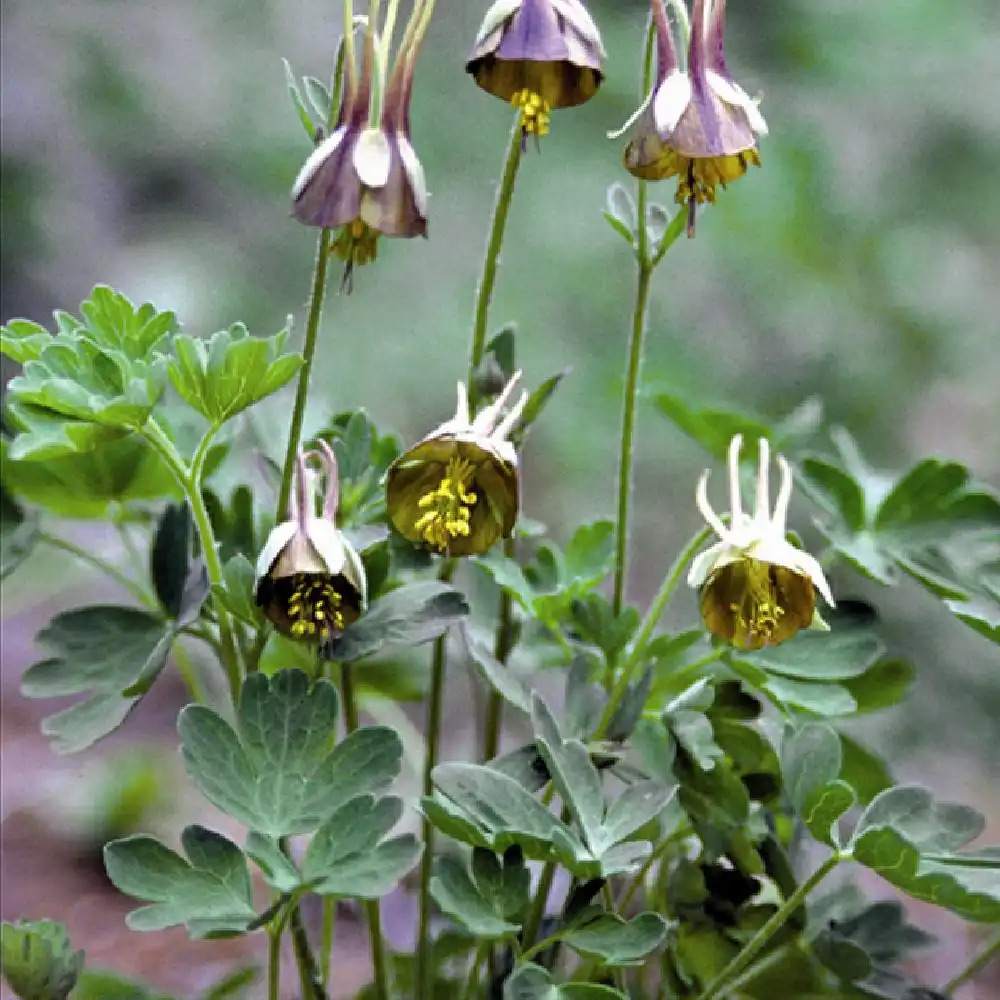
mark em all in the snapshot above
pixel 314 607
pixel 448 508
pixel 534 113
pixel 356 244
pixel 756 615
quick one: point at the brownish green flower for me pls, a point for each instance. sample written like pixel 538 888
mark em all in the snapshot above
pixel 757 589
pixel 699 125
pixel 365 178
pixel 456 491
pixel 539 55
pixel 310 581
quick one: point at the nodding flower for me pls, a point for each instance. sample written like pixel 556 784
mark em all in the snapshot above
pixel 456 492
pixel 757 589
pixel 539 55
pixel 310 581
pixel 697 125
pixel 365 178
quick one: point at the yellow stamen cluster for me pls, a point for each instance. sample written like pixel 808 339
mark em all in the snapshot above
pixel 314 607
pixel 756 615
pixel 534 112
pixel 447 509
pixel 700 178
pixel 356 244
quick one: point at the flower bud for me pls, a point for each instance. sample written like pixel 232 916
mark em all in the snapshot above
pixel 456 491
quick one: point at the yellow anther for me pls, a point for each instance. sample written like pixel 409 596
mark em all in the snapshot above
pixel 756 616
pixel 314 608
pixel 448 508
pixel 534 112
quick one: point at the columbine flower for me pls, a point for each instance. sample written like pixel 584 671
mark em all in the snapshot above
pixel 539 55
pixel 757 589
pixel 310 581
pixel 456 491
pixel 699 126
pixel 365 177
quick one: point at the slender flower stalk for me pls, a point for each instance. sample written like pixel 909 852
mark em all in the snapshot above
pixel 644 274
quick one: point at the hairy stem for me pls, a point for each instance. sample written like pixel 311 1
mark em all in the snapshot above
pixel 759 940
pixel 189 480
pixel 316 297
pixel 498 225
pixel 978 962
pixel 326 949
pixel 273 965
pixel 502 646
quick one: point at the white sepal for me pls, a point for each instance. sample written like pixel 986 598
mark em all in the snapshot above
pixel 670 102
pixel 316 159
pixel 276 542
pixel 328 542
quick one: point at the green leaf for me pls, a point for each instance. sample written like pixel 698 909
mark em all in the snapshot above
pixel 594 621
pixel 811 764
pixel 712 429
pixel 181 583
pixel 836 491
pixel 911 841
pixel 614 941
pixel 300 107
pixel 497 675
pixel 537 401
pixel 454 891
pixel 574 774
pixel 237 591
pixel 589 556
pixel 862 769
pixel 277 868
pixel 350 857
pixel 23 340
pixel 821 656
pixel 980 612
pixel 112 653
pixel 411 615
pixel 37 959
pixel 883 685
pixel 86 485
pixel 107 370
pixel 501 346
pixel 508 574
pixel 532 982
pixel 229 372
pixel 621 212
pixel 209 891
pixel 279 772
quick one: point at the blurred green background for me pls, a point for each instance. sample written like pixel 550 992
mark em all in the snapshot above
pixel 152 146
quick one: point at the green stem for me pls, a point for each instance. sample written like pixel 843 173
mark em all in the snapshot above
pixel 976 964
pixel 472 980
pixel 112 572
pixel 309 978
pixel 502 646
pixel 493 244
pixel 533 924
pixel 326 951
pixel 190 676
pixel 634 660
pixel 760 939
pixel 634 364
pixel 189 479
pixel 308 353
pixel 371 906
pixel 639 879
pixel 273 965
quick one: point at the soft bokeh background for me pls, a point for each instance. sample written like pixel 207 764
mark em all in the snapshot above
pixel 152 145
